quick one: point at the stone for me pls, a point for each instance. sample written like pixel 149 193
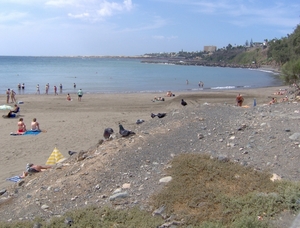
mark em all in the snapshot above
pixel 200 136
pixel 295 136
pixel 118 195
pixel 223 158
pixel 275 177
pixel 2 192
pixel 44 206
pixel 126 185
pixel 21 182
pixel 69 221
pixel 37 225
pixel 165 179
pixel 159 211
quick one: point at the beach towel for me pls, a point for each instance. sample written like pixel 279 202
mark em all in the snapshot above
pixel 14 179
pixel 54 157
pixel 25 133
pixel 30 132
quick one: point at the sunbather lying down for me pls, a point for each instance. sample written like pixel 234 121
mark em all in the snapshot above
pixel 31 168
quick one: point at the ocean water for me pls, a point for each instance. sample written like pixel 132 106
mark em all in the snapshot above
pixel 113 75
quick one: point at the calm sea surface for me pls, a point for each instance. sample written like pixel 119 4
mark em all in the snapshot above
pixel 112 75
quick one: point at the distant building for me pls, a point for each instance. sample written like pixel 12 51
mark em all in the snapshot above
pixel 210 48
pixel 258 44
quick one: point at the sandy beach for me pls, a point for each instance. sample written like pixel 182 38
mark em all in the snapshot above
pixel 76 126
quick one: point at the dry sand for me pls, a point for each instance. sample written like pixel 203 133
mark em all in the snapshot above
pixel 76 126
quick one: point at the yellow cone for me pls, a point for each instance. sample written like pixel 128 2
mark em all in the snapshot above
pixel 54 157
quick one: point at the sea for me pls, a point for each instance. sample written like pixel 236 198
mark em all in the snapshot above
pixel 123 75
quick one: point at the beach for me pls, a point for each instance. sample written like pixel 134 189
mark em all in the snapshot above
pixel 76 126
pixel 263 137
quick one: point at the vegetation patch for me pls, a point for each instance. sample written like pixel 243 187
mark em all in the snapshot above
pixel 204 192
pixel 215 193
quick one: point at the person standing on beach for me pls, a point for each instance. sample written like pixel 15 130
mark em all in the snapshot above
pixel 37 89
pixel 7 95
pixel 55 90
pixel 13 96
pixel 47 88
pixel 23 86
pixel 239 100
pixel 60 88
pixel 80 94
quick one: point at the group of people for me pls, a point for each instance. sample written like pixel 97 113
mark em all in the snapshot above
pixel 35 126
pixel 79 95
pixel 47 86
pixel 21 86
pixel 201 84
pixel 10 96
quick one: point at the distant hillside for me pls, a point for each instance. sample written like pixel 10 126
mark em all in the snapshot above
pixel 242 56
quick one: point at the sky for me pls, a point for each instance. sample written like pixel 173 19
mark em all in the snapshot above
pixel 137 27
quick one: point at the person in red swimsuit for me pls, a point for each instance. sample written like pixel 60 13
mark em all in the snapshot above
pixel 21 126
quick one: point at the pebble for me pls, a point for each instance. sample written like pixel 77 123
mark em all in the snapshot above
pixel 44 206
pixel 118 195
pixel 165 179
pixel 2 192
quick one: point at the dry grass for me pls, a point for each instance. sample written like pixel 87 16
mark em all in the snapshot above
pixel 208 190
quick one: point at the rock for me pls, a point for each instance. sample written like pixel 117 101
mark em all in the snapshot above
pixel 126 185
pixel 21 182
pixel 44 207
pixel 118 190
pixel 200 136
pixel 295 136
pixel 69 221
pixel 37 225
pixel 118 195
pixel 223 158
pixel 159 211
pixel 275 177
pixel 2 192
pixel 165 179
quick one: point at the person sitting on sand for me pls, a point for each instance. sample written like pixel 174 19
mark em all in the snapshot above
pixel 21 126
pixel 68 97
pixel 273 101
pixel 170 94
pixel 35 126
pixel 239 100
pixel 284 99
pixel 14 111
pixel 31 168
pixel 158 99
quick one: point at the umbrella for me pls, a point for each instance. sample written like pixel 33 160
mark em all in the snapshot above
pixel 5 107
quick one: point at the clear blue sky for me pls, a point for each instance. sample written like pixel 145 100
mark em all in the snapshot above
pixel 136 27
